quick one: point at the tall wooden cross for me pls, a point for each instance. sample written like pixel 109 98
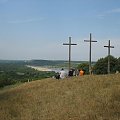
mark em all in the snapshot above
pixel 69 51
pixel 90 41
pixel 108 70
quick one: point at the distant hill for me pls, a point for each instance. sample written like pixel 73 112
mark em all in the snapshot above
pixel 42 62
pixel 45 62
pixel 76 98
pixel 12 61
pixel 58 63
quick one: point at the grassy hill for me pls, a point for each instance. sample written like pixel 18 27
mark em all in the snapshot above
pixel 76 98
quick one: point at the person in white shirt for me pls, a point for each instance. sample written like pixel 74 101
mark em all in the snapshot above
pixel 63 74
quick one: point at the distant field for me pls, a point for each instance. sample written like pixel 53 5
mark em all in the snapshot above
pixel 77 98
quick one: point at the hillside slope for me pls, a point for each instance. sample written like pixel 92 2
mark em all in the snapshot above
pixel 76 98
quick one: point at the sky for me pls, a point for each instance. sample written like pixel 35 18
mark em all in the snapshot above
pixel 37 29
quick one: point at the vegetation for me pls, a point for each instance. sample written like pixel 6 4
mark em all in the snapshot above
pixel 84 66
pixel 12 73
pixel 118 64
pixel 44 62
pixel 15 71
pixel 76 98
pixel 102 65
pixel 53 63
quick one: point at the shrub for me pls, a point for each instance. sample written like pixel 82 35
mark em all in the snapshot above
pixel 101 65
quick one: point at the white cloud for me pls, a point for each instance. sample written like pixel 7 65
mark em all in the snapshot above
pixel 109 12
pixel 117 10
pixel 25 21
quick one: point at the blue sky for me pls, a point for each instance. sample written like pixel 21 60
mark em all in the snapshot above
pixel 36 29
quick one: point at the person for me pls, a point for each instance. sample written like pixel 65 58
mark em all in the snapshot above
pixel 57 75
pixel 81 73
pixel 62 74
pixel 71 72
pixel 76 72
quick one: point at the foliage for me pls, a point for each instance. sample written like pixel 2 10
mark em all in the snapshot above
pixel 45 62
pixel 101 65
pixel 15 71
pixel 84 66
pixel 11 73
pixel 118 65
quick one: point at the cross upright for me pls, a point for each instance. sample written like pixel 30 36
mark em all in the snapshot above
pixel 69 51
pixel 109 46
pixel 90 41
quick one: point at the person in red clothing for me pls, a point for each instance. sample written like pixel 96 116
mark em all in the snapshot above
pixel 81 73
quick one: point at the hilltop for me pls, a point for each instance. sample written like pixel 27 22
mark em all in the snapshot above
pixel 77 98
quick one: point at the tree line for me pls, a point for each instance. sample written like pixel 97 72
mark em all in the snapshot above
pixel 101 66
pixel 12 73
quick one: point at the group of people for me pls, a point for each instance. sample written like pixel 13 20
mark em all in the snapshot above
pixel 63 74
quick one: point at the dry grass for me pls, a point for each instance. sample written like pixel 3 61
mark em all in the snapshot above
pixel 77 98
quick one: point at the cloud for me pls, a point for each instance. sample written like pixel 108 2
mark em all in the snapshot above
pixel 117 10
pixel 109 12
pixel 25 20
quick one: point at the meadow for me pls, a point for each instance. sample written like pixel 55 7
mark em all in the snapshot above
pixel 95 97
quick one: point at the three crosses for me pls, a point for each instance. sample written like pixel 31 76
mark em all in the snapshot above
pixel 90 61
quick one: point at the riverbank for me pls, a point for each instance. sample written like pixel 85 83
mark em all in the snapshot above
pixel 39 68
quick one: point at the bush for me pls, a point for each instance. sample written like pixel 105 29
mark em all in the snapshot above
pixel 101 65
pixel 84 66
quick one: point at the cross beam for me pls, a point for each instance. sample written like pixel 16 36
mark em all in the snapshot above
pixel 69 51
pixel 90 41
pixel 109 46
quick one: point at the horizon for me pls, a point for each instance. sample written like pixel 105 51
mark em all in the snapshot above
pixel 52 60
pixel 37 59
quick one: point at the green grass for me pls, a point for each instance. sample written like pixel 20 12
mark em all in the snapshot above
pixel 77 98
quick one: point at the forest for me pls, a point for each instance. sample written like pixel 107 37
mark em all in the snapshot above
pixel 12 72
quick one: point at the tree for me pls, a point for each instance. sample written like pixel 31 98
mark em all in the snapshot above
pixel 84 66
pixel 101 65
pixel 118 65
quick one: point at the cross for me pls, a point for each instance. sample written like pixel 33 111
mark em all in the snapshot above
pixel 90 41
pixel 69 51
pixel 109 55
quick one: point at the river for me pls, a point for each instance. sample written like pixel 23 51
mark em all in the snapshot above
pixel 41 68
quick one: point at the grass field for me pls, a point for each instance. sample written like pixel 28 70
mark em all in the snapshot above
pixel 77 98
